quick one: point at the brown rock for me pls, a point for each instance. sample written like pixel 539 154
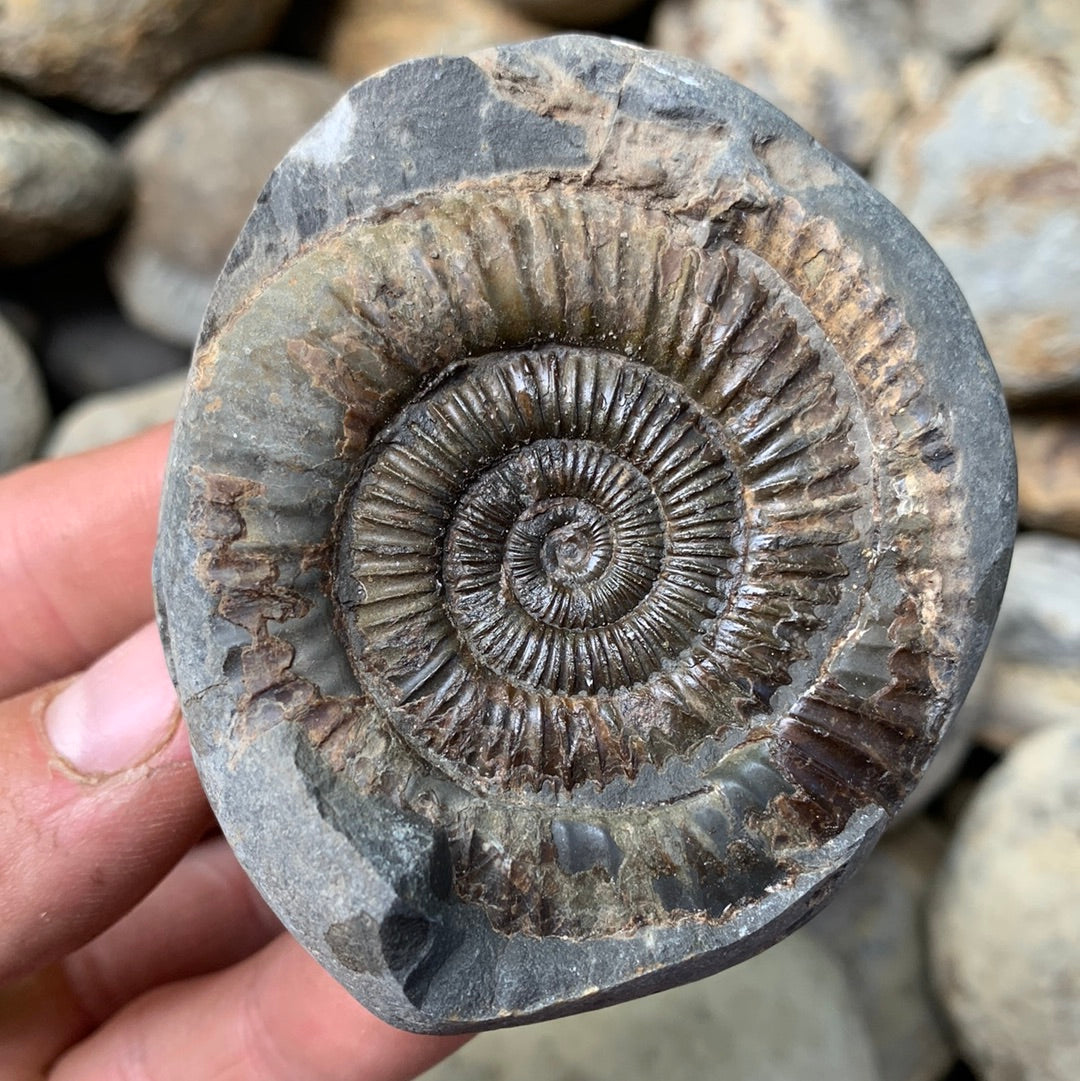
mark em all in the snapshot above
pixel 119 54
pixel 839 69
pixel 368 35
pixel 991 175
pixel 58 181
pixel 199 161
pixel 1048 463
pixel 1005 937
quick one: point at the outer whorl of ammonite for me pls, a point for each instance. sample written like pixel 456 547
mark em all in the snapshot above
pixel 590 504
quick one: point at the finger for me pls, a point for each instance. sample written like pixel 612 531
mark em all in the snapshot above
pixel 76 537
pixel 98 799
pixel 204 916
pixel 274 1017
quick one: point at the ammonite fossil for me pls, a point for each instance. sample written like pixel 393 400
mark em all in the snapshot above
pixel 589 505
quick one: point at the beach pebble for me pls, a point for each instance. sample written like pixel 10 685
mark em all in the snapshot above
pixel 96 350
pixel 106 418
pixel 199 161
pixel 1005 932
pixel 787 1013
pixel 1048 464
pixel 838 68
pixel 1033 665
pixel 875 925
pixel 965 27
pixel 59 182
pixel 366 36
pixel 118 55
pixel 991 176
pixel 24 409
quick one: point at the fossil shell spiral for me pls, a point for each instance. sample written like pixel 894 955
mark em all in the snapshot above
pixel 590 503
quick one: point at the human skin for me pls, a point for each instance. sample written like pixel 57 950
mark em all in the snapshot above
pixel 132 946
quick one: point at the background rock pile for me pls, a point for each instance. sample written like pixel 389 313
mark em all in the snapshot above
pixel 956 952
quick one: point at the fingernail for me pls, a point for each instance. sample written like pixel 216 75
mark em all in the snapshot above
pixel 118 712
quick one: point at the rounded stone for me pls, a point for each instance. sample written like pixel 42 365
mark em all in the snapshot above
pixel 118 55
pixel 1032 672
pixel 797 988
pixel 59 182
pixel 24 409
pixel 876 927
pixel 95 350
pixel 365 36
pixel 496 746
pixel 1047 28
pixel 1005 938
pixel 199 160
pixel 965 28
pixel 1048 471
pixel 990 176
pixel 837 68
pixel 107 418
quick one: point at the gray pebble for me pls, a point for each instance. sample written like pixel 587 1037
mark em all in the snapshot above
pixel 990 176
pixel 1033 666
pixel 59 182
pixel 839 69
pixel 199 161
pixel 787 1013
pixel 1005 937
pixel 95 351
pixel 119 54
pixel 107 418
pixel 24 410
pixel 875 926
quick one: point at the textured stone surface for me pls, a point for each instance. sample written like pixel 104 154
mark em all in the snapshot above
pixel 1005 934
pixel 24 411
pixel 573 12
pixel 732 1019
pixel 94 350
pixel 875 925
pixel 58 181
pixel 1033 665
pixel 199 161
pixel 554 295
pixel 106 418
pixel 369 35
pixel 119 54
pixel 966 27
pixel 991 176
pixel 1048 472
pixel 837 68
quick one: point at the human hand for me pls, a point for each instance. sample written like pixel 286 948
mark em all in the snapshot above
pixel 131 947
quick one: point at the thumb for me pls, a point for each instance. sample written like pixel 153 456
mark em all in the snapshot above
pixel 100 799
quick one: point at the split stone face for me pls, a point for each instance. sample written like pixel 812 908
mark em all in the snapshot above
pixel 118 55
pixel 1005 938
pixel 59 182
pixel 493 752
